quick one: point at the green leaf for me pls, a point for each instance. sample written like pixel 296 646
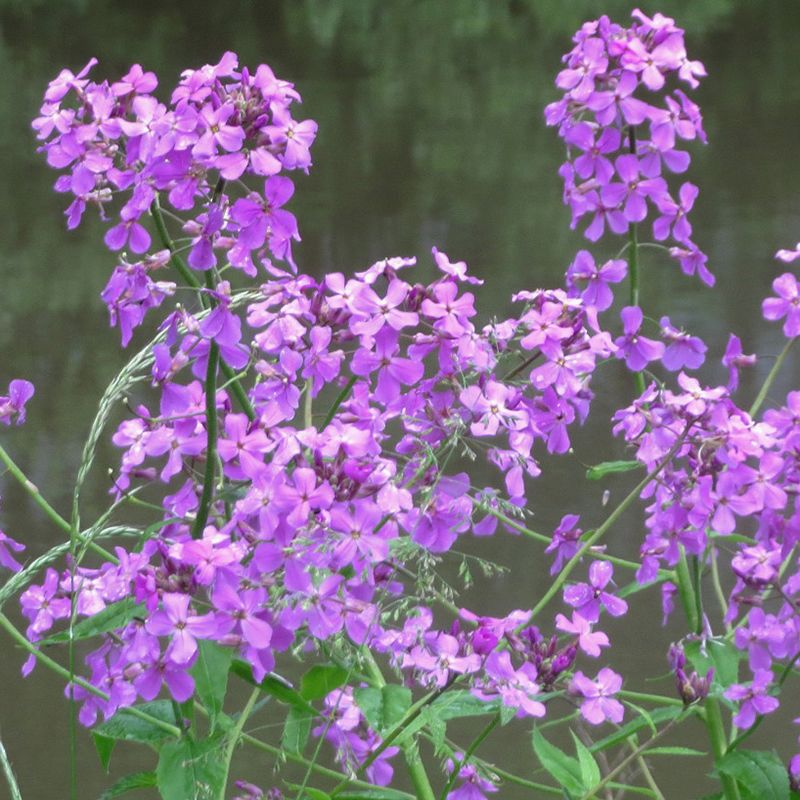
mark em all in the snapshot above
pixel 438 729
pixel 112 617
pixel 105 747
pixel 762 775
pixel 610 467
pixel 675 751
pixel 210 673
pixel 658 716
pixel 370 794
pixel 309 793
pixel 565 769
pixel 272 685
pixel 643 714
pixel 296 730
pixel 322 679
pixel 507 713
pixel 718 653
pixel 188 769
pixel 462 703
pixel 725 657
pixel 590 772
pixel 123 725
pixel 383 707
pixel 136 780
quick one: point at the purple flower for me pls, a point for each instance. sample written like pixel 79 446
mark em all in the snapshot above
pixel 566 541
pixel 394 371
pixel 7 544
pixel 735 358
pixel 786 304
pixel 205 230
pixel 588 641
pixel 12 405
pixel 183 628
pixel 599 703
pixel 754 699
pixel 637 350
pixel 787 256
pixel 673 214
pixel 593 161
pixel 44 604
pixel 587 598
pixel 597 291
pixel 682 349
pixel 473 787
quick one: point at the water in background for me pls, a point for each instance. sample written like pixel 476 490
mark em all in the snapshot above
pixel 431 132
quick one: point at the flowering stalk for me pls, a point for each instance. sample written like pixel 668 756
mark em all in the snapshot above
pixel 601 531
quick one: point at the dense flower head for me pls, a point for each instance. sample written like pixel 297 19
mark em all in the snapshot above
pixel 623 118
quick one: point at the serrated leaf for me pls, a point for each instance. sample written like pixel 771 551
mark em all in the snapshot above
pixel 136 780
pixel 590 772
pixel 296 730
pixel 438 729
pixel 761 774
pixel 272 685
pixel 210 673
pixel 111 618
pixel 322 679
pixel 599 471
pixel 105 747
pixel 565 769
pixel 675 751
pixel 383 707
pixel 123 725
pixel 188 769
pixel 658 716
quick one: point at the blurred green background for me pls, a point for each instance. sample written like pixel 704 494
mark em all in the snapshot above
pixel 431 132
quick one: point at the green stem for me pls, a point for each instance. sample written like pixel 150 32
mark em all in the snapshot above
pixel 340 398
pixel 13 787
pixel 719 745
pixel 633 260
pixel 651 698
pixel 687 592
pixel 476 743
pixel 182 268
pixel 416 769
pixel 591 540
pixel 280 753
pixel 34 493
pixel 648 775
pixel 633 756
pixel 180 265
pixel 716 583
pixel 48 662
pixel 545 539
pixel 773 373
pixel 211 442
pixel 235 736
pixel 308 404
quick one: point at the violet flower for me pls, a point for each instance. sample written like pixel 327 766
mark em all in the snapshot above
pixel 599 704
pixel 637 350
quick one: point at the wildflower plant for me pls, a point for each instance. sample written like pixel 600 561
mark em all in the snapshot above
pixel 304 447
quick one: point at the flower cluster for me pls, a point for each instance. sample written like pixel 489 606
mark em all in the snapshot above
pixel 623 130
pixel 306 441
